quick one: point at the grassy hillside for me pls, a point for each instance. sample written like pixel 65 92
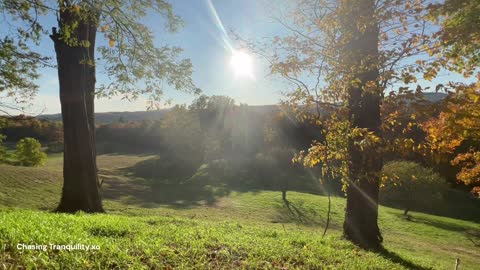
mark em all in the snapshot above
pixel 171 242
pixel 210 227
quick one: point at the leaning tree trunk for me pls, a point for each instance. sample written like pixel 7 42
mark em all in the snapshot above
pixel 361 57
pixel 76 74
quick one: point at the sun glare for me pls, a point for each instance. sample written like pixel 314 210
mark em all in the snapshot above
pixel 242 65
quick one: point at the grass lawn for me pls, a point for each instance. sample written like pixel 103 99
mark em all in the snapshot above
pixel 217 228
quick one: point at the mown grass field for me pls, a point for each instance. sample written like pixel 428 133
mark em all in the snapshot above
pixel 147 227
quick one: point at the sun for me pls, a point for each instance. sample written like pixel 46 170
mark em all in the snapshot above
pixel 242 65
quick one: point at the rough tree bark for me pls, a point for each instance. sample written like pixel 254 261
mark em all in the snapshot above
pixel 76 74
pixel 361 213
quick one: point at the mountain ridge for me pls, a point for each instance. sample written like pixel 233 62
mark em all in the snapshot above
pixel 111 117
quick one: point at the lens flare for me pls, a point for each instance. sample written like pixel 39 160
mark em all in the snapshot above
pixel 240 61
pixel 242 64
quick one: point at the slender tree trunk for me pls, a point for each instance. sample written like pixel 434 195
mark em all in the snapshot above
pixel 284 195
pixel 328 214
pixel 76 74
pixel 361 54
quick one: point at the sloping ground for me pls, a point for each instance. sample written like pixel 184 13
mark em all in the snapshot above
pixel 40 187
pixel 228 229
pixel 28 187
pixel 170 242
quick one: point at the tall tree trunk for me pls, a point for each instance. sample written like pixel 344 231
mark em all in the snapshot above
pixel 76 74
pixel 361 55
pixel 90 97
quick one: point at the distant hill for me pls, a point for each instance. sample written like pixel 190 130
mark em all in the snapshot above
pixel 111 117
pixel 434 96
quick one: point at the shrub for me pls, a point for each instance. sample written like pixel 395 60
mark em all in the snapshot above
pixel 410 186
pixel 29 152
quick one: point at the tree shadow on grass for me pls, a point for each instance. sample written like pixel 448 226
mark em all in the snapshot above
pixel 473 235
pixel 133 191
pixel 186 194
pixel 394 257
pixel 297 213
pixel 444 225
pixel 113 149
pixel 456 204
pixel 153 182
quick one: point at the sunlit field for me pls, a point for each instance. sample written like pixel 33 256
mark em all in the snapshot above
pixel 253 134
pixel 231 229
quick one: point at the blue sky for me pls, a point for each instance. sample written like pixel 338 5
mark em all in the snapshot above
pixel 202 41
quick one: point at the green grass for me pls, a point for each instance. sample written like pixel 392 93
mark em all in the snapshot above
pixel 220 230
pixel 172 242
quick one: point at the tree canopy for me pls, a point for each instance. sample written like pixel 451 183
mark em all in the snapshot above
pixel 19 64
pixel 133 62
